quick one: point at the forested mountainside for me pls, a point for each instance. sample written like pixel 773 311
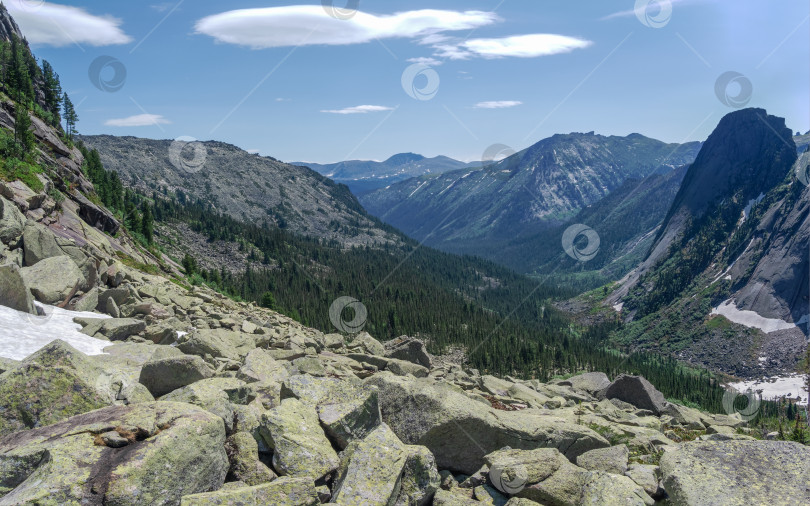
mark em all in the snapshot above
pixel 364 176
pixel 524 194
pixel 245 186
pixel 731 258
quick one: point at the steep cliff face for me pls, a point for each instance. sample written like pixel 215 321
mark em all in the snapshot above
pixel 8 27
pixel 732 256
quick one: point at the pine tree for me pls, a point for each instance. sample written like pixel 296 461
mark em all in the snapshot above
pixel 147 222
pixel 70 116
pixel 23 135
pixel 52 90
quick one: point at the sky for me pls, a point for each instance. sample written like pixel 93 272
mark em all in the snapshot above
pixel 324 82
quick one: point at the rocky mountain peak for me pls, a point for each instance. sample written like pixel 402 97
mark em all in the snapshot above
pixel 403 158
pixel 749 151
pixel 8 27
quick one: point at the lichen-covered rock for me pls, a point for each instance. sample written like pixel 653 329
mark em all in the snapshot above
pixel 364 477
pixel 311 390
pixel 172 450
pixel 737 472
pixel 448 498
pixel 420 479
pixel 243 454
pixel 350 412
pixel 114 329
pixel 514 469
pixel 590 382
pixel 164 375
pixel 610 490
pixel 12 222
pixel 367 344
pixel 403 368
pixel 54 383
pixel 219 343
pixel 53 279
pixel 283 491
pixel 14 292
pixel 610 460
pixel 460 432
pixel 300 447
pixel 645 476
pixel 212 394
pixel 259 365
pixel 410 349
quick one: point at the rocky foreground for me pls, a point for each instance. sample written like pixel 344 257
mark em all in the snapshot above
pixel 200 400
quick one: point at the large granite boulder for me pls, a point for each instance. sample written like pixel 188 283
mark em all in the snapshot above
pixel 12 222
pixel 164 375
pixel 737 473
pixel 283 491
pixel 14 293
pixel 410 349
pixel 54 383
pixel 52 280
pixel 300 447
pixel 460 432
pixel 637 391
pixel 219 343
pixel 152 453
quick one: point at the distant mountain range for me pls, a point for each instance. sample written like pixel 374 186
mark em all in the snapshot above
pixel 363 176
pixel 500 211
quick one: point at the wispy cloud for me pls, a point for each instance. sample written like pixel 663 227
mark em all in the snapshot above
pixel 360 109
pixel 519 46
pixel 498 104
pixel 296 25
pixel 431 62
pixel 632 12
pixel 138 121
pixel 61 25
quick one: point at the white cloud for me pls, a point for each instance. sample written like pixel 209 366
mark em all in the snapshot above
pixel 430 62
pixel 298 25
pixel 61 25
pixel 520 46
pixel 498 104
pixel 138 121
pixel 360 109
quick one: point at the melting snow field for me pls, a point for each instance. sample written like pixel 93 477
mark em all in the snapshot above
pixel 22 334
pixel 751 318
pixel 792 386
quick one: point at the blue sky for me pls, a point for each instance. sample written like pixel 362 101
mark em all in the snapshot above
pixel 290 81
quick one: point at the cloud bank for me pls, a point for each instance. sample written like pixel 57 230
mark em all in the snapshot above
pixel 303 25
pixel 61 25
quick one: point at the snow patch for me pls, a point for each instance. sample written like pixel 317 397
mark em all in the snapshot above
pixel 771 388
pixel 750 318
pixel 22 334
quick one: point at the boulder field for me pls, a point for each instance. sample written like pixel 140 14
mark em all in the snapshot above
pixel 201 400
